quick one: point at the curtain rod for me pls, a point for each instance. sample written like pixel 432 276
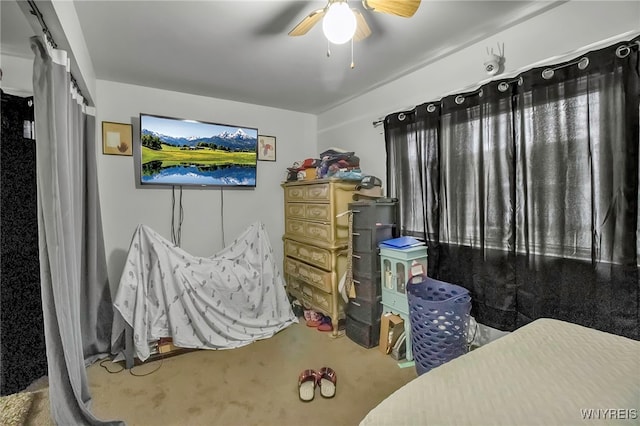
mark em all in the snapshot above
pixel 36 12
pixel 49 38
pixel 380 120
pixel 582 61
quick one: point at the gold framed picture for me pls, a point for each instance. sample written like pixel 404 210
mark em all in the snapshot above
pixel 117 138
pixel 266 148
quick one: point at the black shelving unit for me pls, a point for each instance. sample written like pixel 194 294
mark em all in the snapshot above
pixel 373 221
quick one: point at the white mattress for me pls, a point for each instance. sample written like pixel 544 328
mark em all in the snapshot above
pixel 548 372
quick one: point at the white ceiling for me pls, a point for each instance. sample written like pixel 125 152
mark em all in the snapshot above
pixel 240 50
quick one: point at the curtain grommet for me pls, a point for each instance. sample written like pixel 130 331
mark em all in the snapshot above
pixel 623 51
pixel 431 108
pixel 459 99
pixel 548 73
pixel 503 86
pixel 583 63
pixel 401 116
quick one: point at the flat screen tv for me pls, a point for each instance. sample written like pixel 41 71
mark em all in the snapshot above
pixel 177 152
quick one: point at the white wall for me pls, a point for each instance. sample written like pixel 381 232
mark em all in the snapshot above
pixel 124 206
pixel 81 66
pixel 16 75
pixel 563 29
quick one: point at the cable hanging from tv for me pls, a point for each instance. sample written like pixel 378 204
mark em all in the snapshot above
pixel 176 231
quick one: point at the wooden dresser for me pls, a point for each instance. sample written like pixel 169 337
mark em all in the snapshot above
pixel 315 243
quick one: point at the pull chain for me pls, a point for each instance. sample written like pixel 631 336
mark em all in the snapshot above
pixel 328 49
pixel 353 65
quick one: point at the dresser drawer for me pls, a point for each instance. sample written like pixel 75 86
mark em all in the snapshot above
pixel 396 302
pixel 319 192
pixel 365 265
pixel 315 231
pixel 295 210
pixel 313 297
pixel 315 255
pixel 295 286
pixel 294 193
pixel 314 192
pixel 367 289
pixel 365 311
pixel 314 212
pixel 322 300
pixel 292 283
pixel 367 214
pixel 367 239
pixel 318 212
pixel 314 276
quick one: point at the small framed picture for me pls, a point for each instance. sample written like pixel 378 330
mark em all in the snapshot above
pixel 266 148
pixel 116 138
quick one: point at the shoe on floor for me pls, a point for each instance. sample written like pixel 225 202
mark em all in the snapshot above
pixel 315 319
pixel 307 314
pixel 325 324
pixel 307 385
pixel 327 380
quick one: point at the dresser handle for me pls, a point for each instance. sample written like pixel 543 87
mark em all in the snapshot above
pixel 355 234
pixel 356 256
pixel 355 281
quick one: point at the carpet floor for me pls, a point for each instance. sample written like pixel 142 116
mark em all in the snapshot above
pixel 253 385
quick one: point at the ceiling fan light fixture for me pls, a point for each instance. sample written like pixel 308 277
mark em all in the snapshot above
pixel 339 23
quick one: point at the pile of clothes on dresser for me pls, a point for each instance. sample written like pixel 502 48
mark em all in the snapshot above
pixel 332 163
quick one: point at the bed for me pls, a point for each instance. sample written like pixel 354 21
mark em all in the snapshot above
pixel 548 372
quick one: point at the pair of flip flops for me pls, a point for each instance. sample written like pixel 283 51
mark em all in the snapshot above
pixel 318 320
pixel 325 378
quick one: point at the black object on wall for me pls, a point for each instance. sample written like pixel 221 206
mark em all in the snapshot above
pixel 22 345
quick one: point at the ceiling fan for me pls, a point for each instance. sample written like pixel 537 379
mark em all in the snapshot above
pixel 342 23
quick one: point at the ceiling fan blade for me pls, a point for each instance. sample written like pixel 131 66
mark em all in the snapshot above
pixel 404 8
pixel 362 28
pixel 307 23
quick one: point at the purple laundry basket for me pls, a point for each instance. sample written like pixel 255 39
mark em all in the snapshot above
pixel 439 313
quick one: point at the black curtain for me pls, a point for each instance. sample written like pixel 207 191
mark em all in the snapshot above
pixel 526 191
pixel 22 345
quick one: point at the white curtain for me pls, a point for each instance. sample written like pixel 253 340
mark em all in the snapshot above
pixel 75 292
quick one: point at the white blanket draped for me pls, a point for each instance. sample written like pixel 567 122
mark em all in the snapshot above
pixel 228 300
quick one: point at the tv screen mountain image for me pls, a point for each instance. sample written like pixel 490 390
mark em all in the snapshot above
pixel 179 152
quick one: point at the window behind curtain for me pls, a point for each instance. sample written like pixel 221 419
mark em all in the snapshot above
pixel 527 191
pixel 555 162
pixel 477 171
